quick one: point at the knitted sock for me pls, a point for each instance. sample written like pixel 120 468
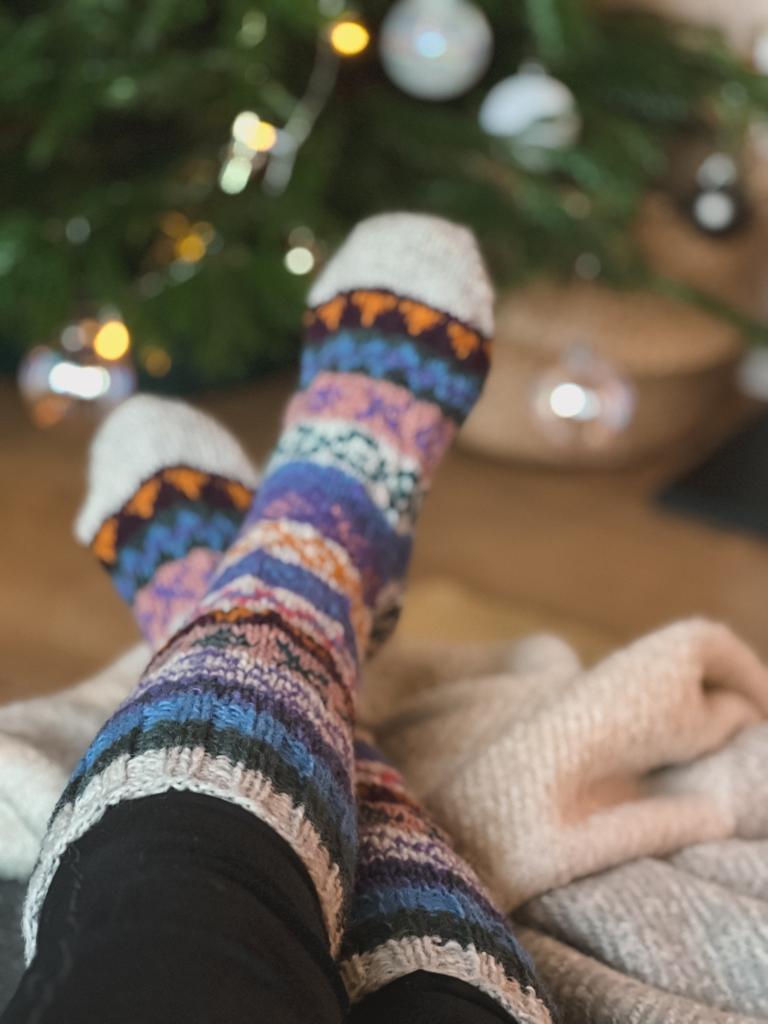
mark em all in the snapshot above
pixel 252 701
pixel 419 907
pixel 168 491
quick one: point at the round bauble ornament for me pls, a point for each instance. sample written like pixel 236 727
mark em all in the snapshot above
pixel 435 49
pixel 716 202
pixel 760 50
pixel 582 401
pixel 532 110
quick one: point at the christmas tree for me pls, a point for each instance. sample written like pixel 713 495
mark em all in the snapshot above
pixel 184 163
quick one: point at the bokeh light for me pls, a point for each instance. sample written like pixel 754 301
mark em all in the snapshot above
pixel 112 340
pixel 348 38
pixel 156 361
pixel 299 260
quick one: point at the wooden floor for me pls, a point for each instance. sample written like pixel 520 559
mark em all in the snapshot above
pixel 501 550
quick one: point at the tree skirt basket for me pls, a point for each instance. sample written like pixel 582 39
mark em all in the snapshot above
pixel 678 361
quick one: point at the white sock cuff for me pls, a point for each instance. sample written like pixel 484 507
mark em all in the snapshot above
pixel 416 255
pixel 146 434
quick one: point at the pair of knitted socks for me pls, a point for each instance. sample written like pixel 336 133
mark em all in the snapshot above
pixel 262 606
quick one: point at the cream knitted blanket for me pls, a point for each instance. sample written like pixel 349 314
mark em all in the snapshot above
pixel 567 787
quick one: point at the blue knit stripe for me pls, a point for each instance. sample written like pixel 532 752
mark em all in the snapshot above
pixel 257 726
pixel 429 377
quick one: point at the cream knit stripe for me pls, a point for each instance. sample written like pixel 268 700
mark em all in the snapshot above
pixel 369 971
pixel 131 777
pixel 424 257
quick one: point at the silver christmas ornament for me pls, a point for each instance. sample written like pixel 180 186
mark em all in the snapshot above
pixel 435 49
pixel 582 401
pixel 533 110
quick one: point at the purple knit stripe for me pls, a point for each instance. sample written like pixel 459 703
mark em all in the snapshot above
pixel 237 662
pixel 254 629
pixel 339 508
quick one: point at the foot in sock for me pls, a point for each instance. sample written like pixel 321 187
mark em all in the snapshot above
pixel 168 491
pixel 387 376
pixel 419 907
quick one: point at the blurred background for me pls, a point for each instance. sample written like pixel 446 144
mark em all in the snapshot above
pixel 176 171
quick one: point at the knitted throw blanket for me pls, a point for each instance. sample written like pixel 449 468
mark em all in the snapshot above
pixel 620 812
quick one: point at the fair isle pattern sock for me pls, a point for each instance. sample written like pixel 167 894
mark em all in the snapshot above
pixel 252 700
pixel 419 907
pixel 414 333
pixel 168 489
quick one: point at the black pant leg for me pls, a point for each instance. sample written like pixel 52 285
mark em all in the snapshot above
pixel 182 908
pixel 424 998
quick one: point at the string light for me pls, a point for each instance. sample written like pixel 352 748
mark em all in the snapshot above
pixel 190 248
pixel 760 51
pixel 174 224
pixel 156 361
pixel 73 338
pixel 299 260
pixel 235 175
pixel 253 132
pixel 253 28
pixel 86 382
pixel 112 341
pixel 349 38
pixel 77 230
pixel 264 138
pixel 253 137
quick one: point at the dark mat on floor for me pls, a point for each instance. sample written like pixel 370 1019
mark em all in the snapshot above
pixel 730 488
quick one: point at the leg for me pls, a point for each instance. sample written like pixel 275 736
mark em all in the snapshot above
pixel 251 701
pixel 420 908
pixel 180 907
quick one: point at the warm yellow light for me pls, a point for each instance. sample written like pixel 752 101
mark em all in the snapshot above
pixel 251 131
pixel 156 361
pixel 190 248
pixel 263 137
pixel 349 38
pixel 112 340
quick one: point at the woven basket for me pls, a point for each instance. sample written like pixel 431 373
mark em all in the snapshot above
pixel 679 359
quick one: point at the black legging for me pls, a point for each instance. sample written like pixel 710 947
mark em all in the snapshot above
pixel 186 909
